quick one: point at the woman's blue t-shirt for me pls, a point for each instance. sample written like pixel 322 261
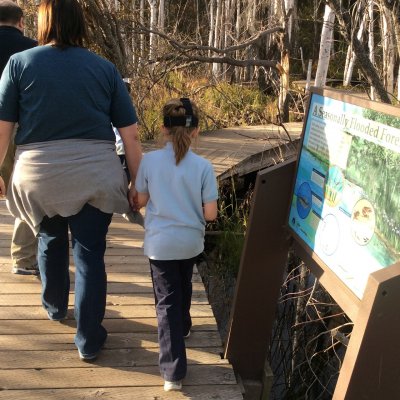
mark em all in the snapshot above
pixel 67 93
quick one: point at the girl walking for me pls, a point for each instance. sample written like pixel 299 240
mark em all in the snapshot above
pixel 179 191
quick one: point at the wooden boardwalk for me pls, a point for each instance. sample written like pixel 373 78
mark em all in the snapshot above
pixel 242 150
pixel 38 359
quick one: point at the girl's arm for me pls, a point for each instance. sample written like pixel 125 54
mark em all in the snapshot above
pixel 143 198
pixel 210 210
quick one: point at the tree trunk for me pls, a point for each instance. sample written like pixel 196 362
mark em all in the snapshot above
pixel 398 85
pixel 394 8
pixel 350 36
pixel 153 25
pixel 349 71
pixel 211 32
pixel 238 27
pixel 285 44
pixel 142 36
pixel 289 7
pixel 198 27
pixel 325 47
pixel 105 32
pixel 308 80
pixel 161 16
pixel 371 41
pixel 250 27
pixel 217 35
pixel 388 49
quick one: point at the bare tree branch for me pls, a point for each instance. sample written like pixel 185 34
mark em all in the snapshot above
pixel 255 39
pixel 105 32
pixel 219 60
pixel 186 51
pixel 350 35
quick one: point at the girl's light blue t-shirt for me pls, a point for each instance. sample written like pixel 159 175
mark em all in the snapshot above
pixel 174 219
pixel 69 93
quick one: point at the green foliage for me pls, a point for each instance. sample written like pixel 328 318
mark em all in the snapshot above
pixel 236 105
pixel 376 169
pixel 227 232
pixel 386 119
pixel 221 104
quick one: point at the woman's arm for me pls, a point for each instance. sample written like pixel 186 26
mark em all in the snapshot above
pixel 6 130
pixel 210 210
pixel 133 155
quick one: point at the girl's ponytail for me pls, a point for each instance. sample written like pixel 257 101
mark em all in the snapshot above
pixel 181 119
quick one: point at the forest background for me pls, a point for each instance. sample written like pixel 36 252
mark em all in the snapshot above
pixel 238 58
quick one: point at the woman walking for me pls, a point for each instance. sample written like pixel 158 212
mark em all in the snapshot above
pixel 67 175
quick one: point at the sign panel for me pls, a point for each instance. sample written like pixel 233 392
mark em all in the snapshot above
pixel 346 198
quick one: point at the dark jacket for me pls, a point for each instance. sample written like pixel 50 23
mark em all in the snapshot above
pixel 12 41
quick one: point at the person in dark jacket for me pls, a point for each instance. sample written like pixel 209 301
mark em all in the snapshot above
pixel 12 40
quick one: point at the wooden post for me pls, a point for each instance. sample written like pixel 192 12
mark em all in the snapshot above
pixel 261 272
pixel 371 367
pixel 308 81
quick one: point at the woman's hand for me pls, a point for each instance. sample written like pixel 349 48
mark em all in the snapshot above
pixel 132 198
pixel 2 188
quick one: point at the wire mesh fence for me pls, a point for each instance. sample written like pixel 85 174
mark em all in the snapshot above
pixel 310 338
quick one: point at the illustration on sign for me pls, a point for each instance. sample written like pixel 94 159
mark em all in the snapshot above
pixel 346 200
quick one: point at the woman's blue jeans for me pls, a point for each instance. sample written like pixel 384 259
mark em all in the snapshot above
pixel 88 232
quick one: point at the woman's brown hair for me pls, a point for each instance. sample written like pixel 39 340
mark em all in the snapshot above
pixel 181 136
pixel 62 23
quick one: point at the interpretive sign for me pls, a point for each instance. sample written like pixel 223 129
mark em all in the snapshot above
pixel 346 199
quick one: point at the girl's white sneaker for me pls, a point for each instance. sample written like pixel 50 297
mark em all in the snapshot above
pixel 169 386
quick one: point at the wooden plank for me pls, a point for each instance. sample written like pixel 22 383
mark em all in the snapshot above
pixel 138 264
pixel 7 226
pixel 112 287
pixel 200 392
pixel 139 357
pixel 112 299
pixel 120 277
pixel 120 340
pixel 144 311
pixel 112 242
pixel 39 326
pixel 136 253
pixel 91 377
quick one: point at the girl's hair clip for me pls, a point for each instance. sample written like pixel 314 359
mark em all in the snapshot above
pixel 188 120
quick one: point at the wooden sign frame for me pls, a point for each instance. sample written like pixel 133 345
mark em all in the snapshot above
pixel 344 111
pixel 261 272
pixel 371 367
